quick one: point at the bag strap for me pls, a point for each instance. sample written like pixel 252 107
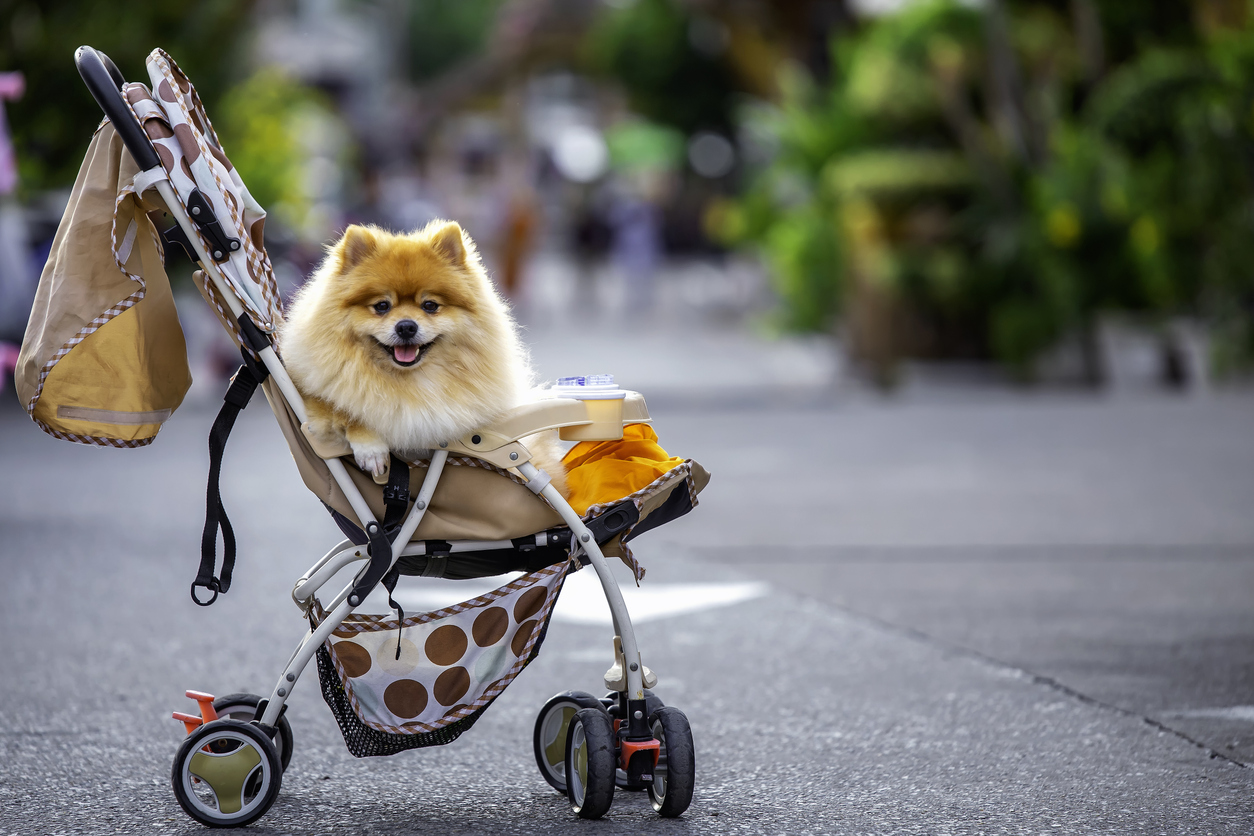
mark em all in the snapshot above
pixel 243 384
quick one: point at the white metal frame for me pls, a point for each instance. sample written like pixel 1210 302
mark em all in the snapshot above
pixel 345 553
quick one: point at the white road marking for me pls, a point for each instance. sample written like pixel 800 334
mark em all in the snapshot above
pixel 583 600
pixel 1235 712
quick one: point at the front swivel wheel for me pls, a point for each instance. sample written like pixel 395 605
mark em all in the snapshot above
pixel 590 762
pixel 226 774
pixel 675 773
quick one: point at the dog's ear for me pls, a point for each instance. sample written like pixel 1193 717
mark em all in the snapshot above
pixel 448 243
pixel 357 243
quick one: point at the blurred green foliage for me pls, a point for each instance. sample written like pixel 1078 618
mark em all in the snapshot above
pixel 1003 177
pixel 443 33
pixel 670 60
pixel 636 145
pixel 268 124
pixel 53 122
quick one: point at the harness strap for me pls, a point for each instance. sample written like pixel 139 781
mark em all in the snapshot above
pixel 243 384
pixel 395 504
pixel 395 496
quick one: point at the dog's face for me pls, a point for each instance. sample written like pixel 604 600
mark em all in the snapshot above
pixel 405 299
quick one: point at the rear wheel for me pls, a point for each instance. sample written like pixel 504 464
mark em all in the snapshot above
pixel 590 762
pixel 226 774
pixel 549 738
pixel 244 707
pixel 675 773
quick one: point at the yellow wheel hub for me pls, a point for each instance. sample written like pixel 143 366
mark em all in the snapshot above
pixel 226 774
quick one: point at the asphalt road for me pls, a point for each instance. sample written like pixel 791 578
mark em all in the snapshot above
pixel 1009 615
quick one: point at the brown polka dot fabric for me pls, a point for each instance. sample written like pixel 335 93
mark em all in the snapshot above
pixel 257 232
pixel 452 661
pixel 187 143
pixel 446 645
pixel 191 154
pixel 452 685
pixel 158 129
pixel 220 157
pixel 167 159
pixel 522 637
pixel 405 698
pixel 529 604
pixel 354 658
pixel 490 625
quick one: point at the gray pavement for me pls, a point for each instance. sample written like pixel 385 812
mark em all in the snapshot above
pixel 974 605
pixel 1105 545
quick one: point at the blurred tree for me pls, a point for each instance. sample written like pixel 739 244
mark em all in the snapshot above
pixel 54 120
pixel 443 34
pixel 657 48
pixel 273 127
pixel 1014 174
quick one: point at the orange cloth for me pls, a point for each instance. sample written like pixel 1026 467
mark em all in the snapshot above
pixel 605 471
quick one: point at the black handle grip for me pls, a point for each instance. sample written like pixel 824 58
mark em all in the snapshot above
pixel 105 83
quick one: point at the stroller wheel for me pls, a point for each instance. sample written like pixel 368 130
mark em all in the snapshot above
pixel 549 739
pixel 675 773
pixel 226 774
pixel 244 707
pixel 590 761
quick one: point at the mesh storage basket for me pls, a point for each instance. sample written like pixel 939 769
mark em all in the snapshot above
pixel 403 684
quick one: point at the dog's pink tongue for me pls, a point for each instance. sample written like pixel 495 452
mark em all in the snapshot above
pixel 405 353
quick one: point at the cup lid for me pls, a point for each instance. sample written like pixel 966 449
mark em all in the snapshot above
pixel 588 387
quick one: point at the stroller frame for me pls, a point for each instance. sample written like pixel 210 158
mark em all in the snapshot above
pixel 639 757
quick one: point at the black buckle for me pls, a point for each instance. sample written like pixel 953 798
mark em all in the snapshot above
pixel 212 586
pixel 380 562
pixel 201 213
pixel 395 494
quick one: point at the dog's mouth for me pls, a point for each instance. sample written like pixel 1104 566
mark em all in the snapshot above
pixel 406 355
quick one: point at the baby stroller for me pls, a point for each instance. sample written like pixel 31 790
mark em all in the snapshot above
pixel 478 507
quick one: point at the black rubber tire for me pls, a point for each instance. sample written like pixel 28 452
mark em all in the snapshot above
pixel 244 707
pixel 652 702
pixel 675 774
pixel 548 740
pixel 257 791
pixel 591 756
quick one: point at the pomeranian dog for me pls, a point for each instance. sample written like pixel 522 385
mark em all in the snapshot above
pixel 400 342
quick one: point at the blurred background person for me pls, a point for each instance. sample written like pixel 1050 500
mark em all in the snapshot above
pixel 17 276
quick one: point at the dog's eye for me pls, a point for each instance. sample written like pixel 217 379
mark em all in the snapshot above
pixel 430 306
pixel 382 307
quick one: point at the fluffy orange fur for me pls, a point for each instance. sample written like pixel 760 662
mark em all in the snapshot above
pixel 400 342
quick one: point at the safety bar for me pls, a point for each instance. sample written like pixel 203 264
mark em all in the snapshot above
pixel 105 81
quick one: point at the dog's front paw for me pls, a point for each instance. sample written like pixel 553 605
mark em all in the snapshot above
pixel 372 458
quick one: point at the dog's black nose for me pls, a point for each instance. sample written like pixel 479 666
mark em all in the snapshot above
pixel 407 329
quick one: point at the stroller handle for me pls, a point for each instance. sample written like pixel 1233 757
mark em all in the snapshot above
pixel 105 81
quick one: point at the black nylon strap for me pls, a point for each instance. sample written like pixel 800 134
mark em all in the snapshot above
pixel 395 496
pixel 395 504
pixel 389 583
pixel 237 397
